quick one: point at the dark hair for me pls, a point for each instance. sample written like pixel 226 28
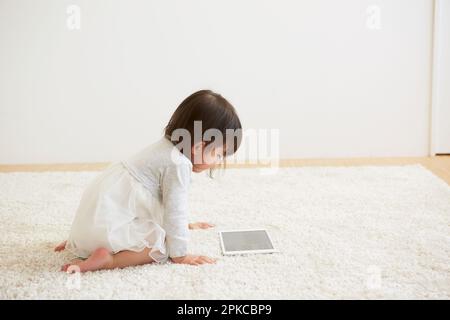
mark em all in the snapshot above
pixel 214 112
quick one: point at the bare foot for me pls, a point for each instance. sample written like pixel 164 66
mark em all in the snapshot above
pixel 61 246
pixel 73 263
pixel 99 259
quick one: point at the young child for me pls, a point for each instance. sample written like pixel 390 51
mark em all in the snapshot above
pixel 136 211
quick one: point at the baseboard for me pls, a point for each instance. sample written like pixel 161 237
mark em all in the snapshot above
pixel 282 163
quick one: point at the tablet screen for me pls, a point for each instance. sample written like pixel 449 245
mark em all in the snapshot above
pixel 246 240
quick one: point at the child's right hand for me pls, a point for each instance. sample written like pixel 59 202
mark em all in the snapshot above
pixel 193 259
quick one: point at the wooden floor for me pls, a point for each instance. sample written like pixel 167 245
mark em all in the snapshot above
pixel 439 165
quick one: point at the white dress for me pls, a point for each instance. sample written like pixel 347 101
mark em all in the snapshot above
pixel 137 203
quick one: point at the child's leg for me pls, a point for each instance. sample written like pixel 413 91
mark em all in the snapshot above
pixel 130 258
pixel 102 259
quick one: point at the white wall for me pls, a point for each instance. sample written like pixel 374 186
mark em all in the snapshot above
pixel 313 69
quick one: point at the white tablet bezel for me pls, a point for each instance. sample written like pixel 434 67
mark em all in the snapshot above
pixel 224 252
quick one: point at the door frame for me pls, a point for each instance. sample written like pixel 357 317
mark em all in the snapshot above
pixel 436 69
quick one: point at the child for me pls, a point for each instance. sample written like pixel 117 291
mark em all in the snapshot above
pixel 136 211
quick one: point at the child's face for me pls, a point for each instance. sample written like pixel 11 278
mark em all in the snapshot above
pixel 208 156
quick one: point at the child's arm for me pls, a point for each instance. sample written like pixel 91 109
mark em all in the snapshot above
pixel 175 191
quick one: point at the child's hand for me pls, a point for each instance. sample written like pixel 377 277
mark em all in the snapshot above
pixel 201 225
pixel 193 259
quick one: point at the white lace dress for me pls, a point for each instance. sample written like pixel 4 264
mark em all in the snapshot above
pixel 137 203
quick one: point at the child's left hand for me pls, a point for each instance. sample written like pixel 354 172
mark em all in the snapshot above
pixel 201 225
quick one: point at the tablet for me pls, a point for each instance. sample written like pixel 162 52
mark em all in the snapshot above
pixel 246 241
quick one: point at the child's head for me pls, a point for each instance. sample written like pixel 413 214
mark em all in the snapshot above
pixel 217 135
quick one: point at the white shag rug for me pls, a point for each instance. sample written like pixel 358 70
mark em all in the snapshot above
pixel 367 232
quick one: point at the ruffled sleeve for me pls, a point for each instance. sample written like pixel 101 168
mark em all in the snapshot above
pixel 175 184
